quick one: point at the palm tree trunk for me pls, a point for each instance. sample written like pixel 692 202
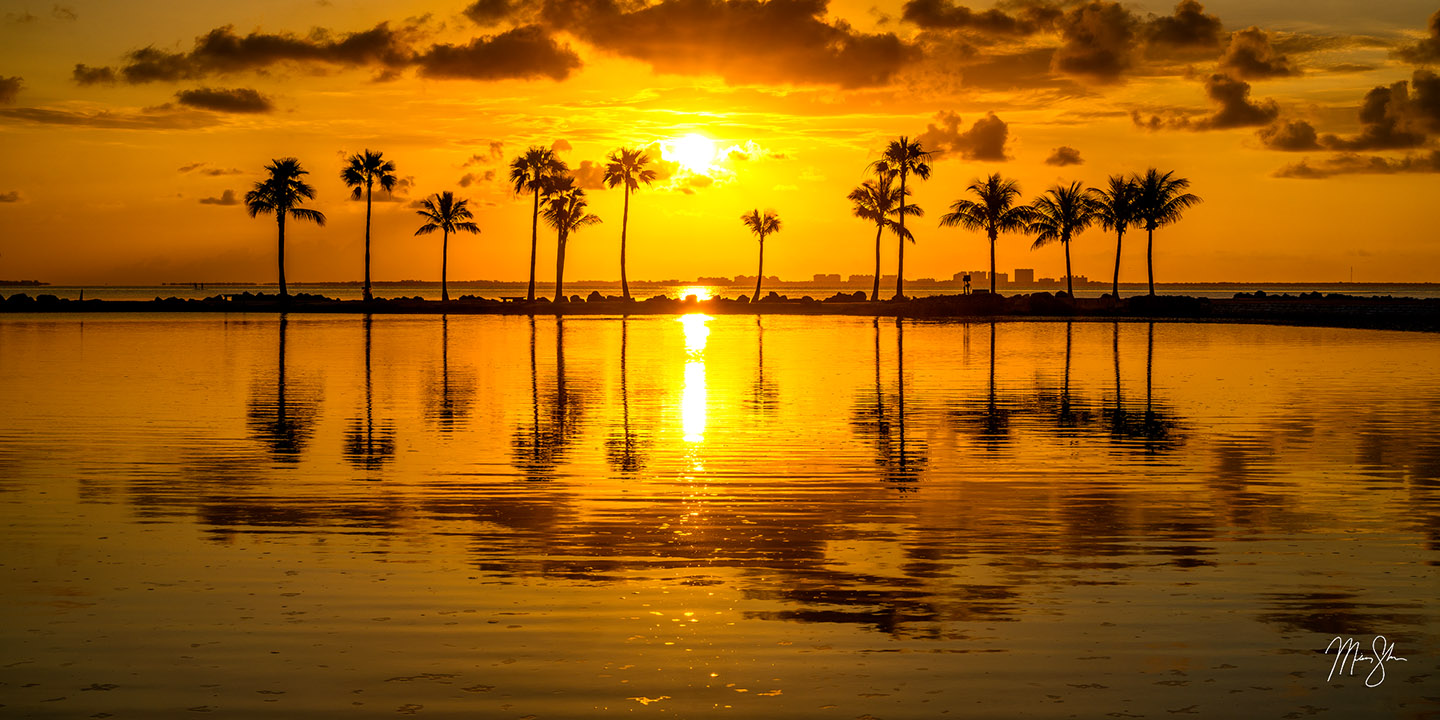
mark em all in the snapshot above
pixel 280 220
pixel 992 261
pixel 444 262
pixel 624 224
pixel 1150 257
pixel 760 274
pixel 534 242
pixel 900 266
pixel 1115 284
pixel 367 238
pixel 560 269
pixel 879 228
pixel 1069 281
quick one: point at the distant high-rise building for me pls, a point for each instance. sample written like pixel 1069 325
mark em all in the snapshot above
pixel 1024 276
pixel 832 279
pixel 1002 278
pixel 861 279
pixel 976 276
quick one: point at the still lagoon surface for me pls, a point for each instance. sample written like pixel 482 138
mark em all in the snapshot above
pixel 783 517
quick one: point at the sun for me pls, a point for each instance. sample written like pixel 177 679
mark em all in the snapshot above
pixel 694 152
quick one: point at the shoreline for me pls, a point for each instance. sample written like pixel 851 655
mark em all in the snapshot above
pixel 1312 309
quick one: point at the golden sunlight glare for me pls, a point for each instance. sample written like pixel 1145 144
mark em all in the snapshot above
pixel 694 152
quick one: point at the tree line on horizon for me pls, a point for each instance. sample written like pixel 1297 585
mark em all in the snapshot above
pixel 1147 201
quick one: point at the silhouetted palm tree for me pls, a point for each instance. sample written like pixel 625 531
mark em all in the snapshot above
pixel 1060 214
pixel 282 193
pixel 530 173
pixel 903 157
pixel 1115 209
pixel 447 215
pixel 761 225
pixel 1160 200
pixel 994 212
pixel 362 172
pixel 877 200
pixel 627 167
pixel 566 210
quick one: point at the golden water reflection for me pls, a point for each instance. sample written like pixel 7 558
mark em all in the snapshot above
pixel 891 517
pixel 693 395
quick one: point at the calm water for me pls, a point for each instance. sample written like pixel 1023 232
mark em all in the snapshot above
pixel 499 517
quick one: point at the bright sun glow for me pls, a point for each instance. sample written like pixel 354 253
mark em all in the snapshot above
pixel 694 152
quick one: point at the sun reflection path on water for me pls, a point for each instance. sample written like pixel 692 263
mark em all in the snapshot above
pixel 693 396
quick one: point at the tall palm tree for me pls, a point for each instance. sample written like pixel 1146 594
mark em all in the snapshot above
pixel 567 211
pixel 281 194
pixel 447 215
pixel 761 225
pixel 903 157
pixel 362 172
pixel 994 212
pixel 1160 200
pixel 531 172
pixel 627 167
pixel 877 200
pixel 1115 209
pixel 1060 214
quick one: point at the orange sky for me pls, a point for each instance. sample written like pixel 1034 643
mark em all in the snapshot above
pixel 129 130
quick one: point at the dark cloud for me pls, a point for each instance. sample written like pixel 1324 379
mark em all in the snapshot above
pixel 1391 118
pixel 199 167
pixel 9 88
pixel 523 52
pixel 226 198
pixel 1250 56
pixel 1426 51
pixel 1189 28
pixel 985 140
pixel 223 51
pixel 469 179
pixel 1235 109
pixel 779 41
pixel 86 75
pixel 1290 135
pixel 21 18
pixel 1064 155
pixel 65 13
pixel 164 117
pixel 561 146
pixel 589 175
pixel 400 193
pixel 487 13
pixel 494 153
pixel 947 15
pixel 1098 39
pixel 10 197
pixel 1352 164
pixel 235 100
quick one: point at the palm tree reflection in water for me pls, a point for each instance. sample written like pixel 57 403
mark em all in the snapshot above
pixel 539 447
pixel 454 390
pixel 283 422
pixel 879 419
pixel 626 450
pixel 369 446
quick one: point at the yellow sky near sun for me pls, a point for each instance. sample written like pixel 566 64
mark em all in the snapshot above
pixel 103 204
